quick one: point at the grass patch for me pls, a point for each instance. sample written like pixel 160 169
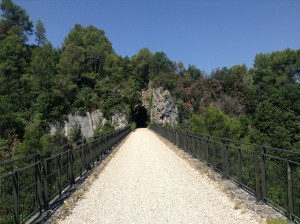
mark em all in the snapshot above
pixel 276 221
pixel 78 195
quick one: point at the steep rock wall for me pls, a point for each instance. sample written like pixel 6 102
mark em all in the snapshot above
pixel 120 120
pixel 88 122
pixel 162 107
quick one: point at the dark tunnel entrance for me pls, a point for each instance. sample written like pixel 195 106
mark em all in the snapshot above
pixel 140 117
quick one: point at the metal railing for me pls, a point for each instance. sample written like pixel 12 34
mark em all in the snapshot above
pixel 28 185
pixel 271 174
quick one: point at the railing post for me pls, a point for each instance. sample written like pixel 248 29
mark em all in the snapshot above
pixel 263 174
pixel 93 154
pixel 173 136
pixel 240 179
pixel 195 145
pixel 190 139
pixel 59 174
pixel 108 143
pixel 97 150
pixel 184 142
pixel 101 146
pixel 207 149
pixel 188 142
pixel 257 189
pixel 227 159
pixel 224 160
pixel 16 195
pixel 99 142
pixel 81 148
pixel 179 139
pixel 214 155
pixel 198 148
pixel 45 185
pixel 105 144
pixel 290 190
pixel 71 166
pixel 86 156
pixel 38 178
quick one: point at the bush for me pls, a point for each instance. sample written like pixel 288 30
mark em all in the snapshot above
pixel 34 139
pixel 230 105
pixel 215 122
pixel 75 133
pixel 106 128
pixel 132 126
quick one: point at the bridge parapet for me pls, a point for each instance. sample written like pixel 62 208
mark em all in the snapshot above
pixel 28 185
pixel 271 174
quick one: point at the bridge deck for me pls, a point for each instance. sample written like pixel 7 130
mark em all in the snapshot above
pixel 146 182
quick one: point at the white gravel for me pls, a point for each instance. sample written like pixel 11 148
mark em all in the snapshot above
pixel 146 182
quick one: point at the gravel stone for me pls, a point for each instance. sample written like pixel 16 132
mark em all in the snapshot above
pixel 146 182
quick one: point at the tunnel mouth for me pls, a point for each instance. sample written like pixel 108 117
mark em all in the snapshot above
pixel 140 117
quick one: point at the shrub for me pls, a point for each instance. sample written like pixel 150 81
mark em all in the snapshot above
pixel 132 126
pixel 215 122
pixel 75 133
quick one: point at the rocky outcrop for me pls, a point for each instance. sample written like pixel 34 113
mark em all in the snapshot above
pixel 146 98
pixel 119 120
pixel 161 104
pixel 88 122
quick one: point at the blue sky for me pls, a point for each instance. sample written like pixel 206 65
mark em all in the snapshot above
pixel 208 34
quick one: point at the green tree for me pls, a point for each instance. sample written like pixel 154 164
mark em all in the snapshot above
pixel 41 74
pixel 70 67
pixel 275 127
pixel 160 63
pixel 85 100
pixel 34 139
pixel 180 67
pixel 194 72
pixel 3 150
pixel 95 44
pixel 13 64
pixel 277 67
pixel 40 31
pixel 75 133
pixel 52 105
pixel 15 20
pixel 139 64
pixel 162 71
pixel 214 122
pixel 43 67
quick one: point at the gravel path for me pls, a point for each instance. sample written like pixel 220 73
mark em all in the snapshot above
pixel 146 182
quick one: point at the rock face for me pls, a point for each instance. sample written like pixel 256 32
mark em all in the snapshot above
pixel 88 122
pixel 160 103
pixel 146 98
pixel 120 120
pixel 162 106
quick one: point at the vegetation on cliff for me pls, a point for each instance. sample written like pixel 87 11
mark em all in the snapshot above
pixel 39 84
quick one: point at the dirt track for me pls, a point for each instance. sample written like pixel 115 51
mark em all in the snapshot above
pixel 146 182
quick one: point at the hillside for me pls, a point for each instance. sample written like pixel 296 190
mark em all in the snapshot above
pixel 41 85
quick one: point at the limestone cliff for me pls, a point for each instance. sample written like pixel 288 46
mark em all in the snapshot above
pixel 88 122
pixel 161 105
pixel 120 120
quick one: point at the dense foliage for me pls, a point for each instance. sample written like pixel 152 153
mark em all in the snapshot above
pixel 39 84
